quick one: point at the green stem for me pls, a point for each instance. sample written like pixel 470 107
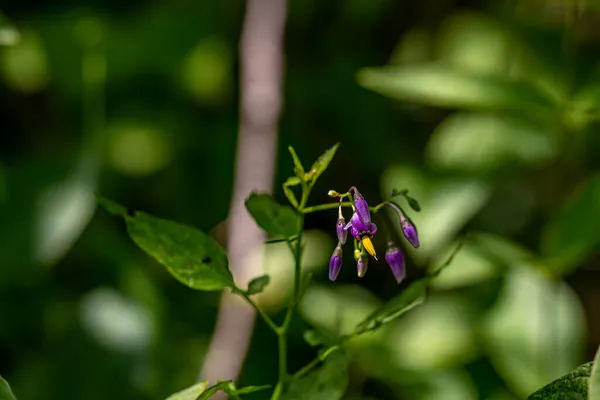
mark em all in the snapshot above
pixel 331 206
pixel 316 361
pixel 283 330
pixel 323 207
pixel 378 207
pixel 282 347
pixel 298 266
pixel 307 368
pixel 260 311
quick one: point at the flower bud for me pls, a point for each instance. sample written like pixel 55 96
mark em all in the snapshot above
pixel 410 232
pixel 362 264
pixel 395 259
pixel 342 233
pixel 333 193
pixel 335 262
pixel 408 228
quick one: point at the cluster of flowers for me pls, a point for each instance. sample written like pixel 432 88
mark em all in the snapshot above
pixel 363 229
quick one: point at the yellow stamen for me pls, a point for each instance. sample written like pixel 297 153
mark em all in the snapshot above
pixel 368 245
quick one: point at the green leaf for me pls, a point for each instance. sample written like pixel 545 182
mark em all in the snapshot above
pixel 437 84
pixel 5 391
pixel 190 393
pixel 413 203
pixel 258 284
pixel 298 168
pixel 594 382
pixel 317 338
pixel 476 143
pixel 450 203
pixel 535 331
pixel 291 181
pixel 273 217
pixel 409 298
pixel 417 345
pixel 323 162
pixel 469 268
pixel 572 234
pixel 501 250
pixel 190 255
pixel 252 389
pixel 112 207
pixel 226 386
pixel 572 386
pixel 328 382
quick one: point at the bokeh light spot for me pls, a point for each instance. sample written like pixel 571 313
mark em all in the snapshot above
pixel 137 150
pixel 116 321
pixel 24 66
pixel 207 72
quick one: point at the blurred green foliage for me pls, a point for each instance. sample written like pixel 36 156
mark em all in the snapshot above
pixel 489 115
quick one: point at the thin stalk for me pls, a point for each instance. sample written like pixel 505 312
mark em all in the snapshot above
pixel 307 368
pixel 260 311
pixel 282 331
pixel 282 347
pixel 322 207
pixel 316 361
pixel 331 206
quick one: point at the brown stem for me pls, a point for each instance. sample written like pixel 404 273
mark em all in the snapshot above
pixel 261 54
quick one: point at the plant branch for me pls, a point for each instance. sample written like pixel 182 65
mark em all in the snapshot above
pixel 316 361
pixel 268 320
pixel 323 207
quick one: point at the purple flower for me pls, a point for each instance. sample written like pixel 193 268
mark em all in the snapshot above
pixel 362 264
pixel 361 206
pixel 395 259
pixel 363 232
pixel 335 262
pixel 409 230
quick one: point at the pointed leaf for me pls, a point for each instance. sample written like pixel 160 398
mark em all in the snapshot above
pixel 437 84
pixel 483 143
pixel 413 203
pixel 273 217
pixel 316 338
pixel 323 162
pixel 226 386
pixel 298 168
pixel 328 382
pixel 190 255
pixel 258 284
pixel 292 181
pixel 535 330
pixel 409 298
pixel 572 386
pixel 594 382
pixel 252 389
pixel 572 234
pixel 112 207
pixel 5 391
pixel 190 393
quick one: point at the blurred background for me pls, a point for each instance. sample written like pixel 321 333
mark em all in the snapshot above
pixel 487 111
